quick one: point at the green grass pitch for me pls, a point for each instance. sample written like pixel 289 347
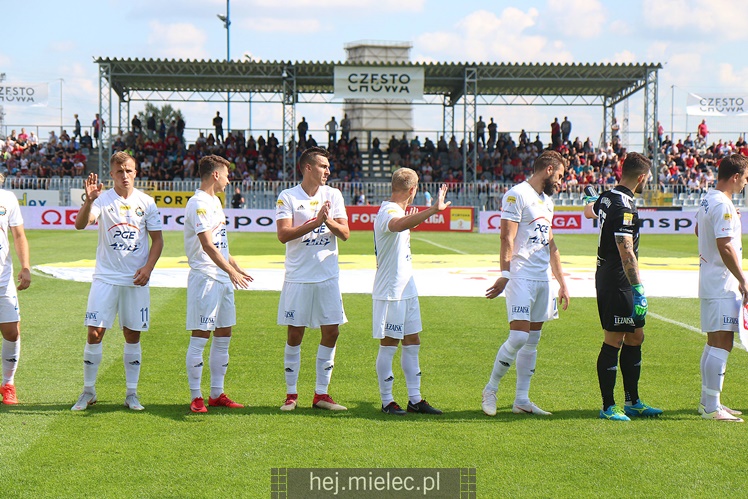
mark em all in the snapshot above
pixel 165 451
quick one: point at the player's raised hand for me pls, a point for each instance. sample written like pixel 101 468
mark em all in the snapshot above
pixel 93 187
pixel 440 204
pixel 411 210
pixel 497 288
pixel 24 279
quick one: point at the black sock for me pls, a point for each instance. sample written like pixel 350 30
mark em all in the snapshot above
pixel 631 368
pixel 607 367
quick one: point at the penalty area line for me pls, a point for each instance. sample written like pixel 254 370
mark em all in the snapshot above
pixel 439 245
pixel 687 326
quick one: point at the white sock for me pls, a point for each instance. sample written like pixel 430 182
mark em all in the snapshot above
pixel 194 361
pixel 384 373
pixel 505 357
pixel 325 364
pixel 714 367
pixel 702 370
pixel 219 363
pixel 412 371
pixel 526 359
pixel 11 352
pixel 91 360
pixel 291 364
pixel 132 357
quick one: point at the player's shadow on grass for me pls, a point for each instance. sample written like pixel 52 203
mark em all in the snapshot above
pixel 35 408
pixel 362 409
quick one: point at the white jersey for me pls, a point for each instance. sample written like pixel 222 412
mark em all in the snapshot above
pixel 10 216
pixel 124 225
pixel 314 256
pixel 717 218
pixel 205 213
pixel 394 277
pixel 534 213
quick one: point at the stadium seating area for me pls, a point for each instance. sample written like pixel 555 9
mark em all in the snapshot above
pixel 687 168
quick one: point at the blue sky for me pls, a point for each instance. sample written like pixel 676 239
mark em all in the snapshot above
pixel 699 43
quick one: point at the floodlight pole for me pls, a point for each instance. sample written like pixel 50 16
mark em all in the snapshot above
pixel 226 24
pixel 61 82
pixel 228 58
pixel 672 107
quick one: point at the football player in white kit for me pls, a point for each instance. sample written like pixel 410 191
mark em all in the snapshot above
pixel 722 283
pixel 528 257
pixel 310 218
pixel 210 286
pixel 396 312
pixel 127 217
pixel 10 218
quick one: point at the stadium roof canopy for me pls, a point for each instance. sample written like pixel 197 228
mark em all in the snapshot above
pixel 446 84
pixel 563 84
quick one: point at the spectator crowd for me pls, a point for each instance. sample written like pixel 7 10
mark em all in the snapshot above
pixel 688 165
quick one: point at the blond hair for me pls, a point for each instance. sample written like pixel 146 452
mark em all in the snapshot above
pixel 404 179
pixel 119 158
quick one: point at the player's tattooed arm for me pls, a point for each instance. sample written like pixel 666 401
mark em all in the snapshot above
pixel 628 258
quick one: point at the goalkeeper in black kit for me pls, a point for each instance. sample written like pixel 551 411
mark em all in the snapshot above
pixel 621 302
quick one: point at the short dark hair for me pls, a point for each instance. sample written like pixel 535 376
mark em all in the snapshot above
pixel 548 158
pixel 634 165
pixel 308 157
pixel 732 164
pixel 210 163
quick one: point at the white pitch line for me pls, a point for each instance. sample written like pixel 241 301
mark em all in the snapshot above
pixel 440 246
pixel 687 326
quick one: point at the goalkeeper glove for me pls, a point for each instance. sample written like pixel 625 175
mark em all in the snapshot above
pixel 590 199
pixel 640 302
pixel 590 194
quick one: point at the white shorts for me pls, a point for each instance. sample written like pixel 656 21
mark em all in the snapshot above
pixel 395 319
pixel 131 303
pixel 530 301
pixel 311 304
pixel 210 303
pixel 9 303
pixel 720 314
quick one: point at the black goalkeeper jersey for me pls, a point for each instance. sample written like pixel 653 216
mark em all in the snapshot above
pixel 617 216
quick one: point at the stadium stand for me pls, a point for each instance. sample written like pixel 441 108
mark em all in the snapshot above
pixel 686 171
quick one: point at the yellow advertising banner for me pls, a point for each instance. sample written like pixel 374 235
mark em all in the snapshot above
pixel 177 199
pixel 461 219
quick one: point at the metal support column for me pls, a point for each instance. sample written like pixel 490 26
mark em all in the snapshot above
pixel 289 122
pixel 124 113
pixel 625 125
pixel 609 114
pixel 105 113
pixel 448 117
pixel 470 109
pixel 650 119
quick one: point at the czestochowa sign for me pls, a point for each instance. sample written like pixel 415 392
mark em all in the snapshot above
pixel 717 105
pixel 24 94
pixel 379 82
